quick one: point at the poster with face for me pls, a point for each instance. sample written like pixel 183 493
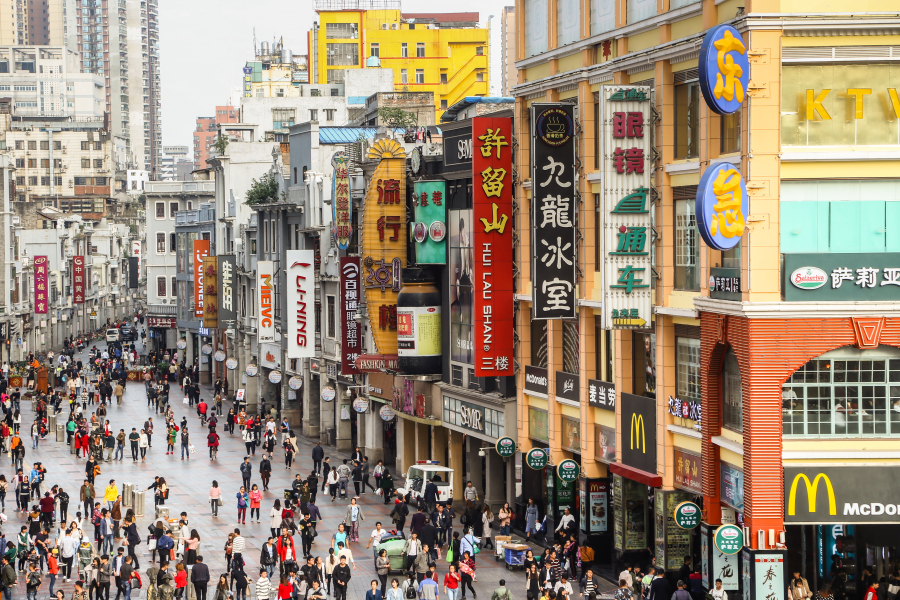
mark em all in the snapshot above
pixel 461 298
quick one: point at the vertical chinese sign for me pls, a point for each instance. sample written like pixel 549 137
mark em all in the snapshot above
pixel 265 295
pixel 342 205
pixel 301 285
pixel 78 279
pixel 201 251
pixel 493 244
pixel 626 200
pixel 41 295
pixel 430 229
pixel 227 295
pixel 351 347
pixel 210 293
pixel 553 211
pixel 383 242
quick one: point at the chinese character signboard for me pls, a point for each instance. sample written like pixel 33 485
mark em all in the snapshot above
pixel 763 574
pixel 602 394
pixel 351 347
pixel 227 295
pixel 41 289
pixel 300 301
pixel 553 211
pixel 161 322
pixel 722 206
pixel 265 301
pixel 841 277
pixel 383 241
pixel 430 229
pixel 342 205
pixel 724 284
pixel 78 279
pixel 493 244
pixel 724 69
pixel 625 208
pixel 210 292
pixel 688 473
pixel 201 251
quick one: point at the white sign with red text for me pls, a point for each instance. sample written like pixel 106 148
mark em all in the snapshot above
pixel 301 287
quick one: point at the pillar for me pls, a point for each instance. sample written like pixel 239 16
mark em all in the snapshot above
pixel 374 429
pixel 312 419
pixel 456 463
pixel 251 388
pixel 474 472
pixel 344 441
pixel 495 492
pixel 406 445
pixel 439 443
pixel 423 437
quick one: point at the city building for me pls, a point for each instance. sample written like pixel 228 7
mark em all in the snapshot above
pixel 274 73
pixel 171 156
pixel 508 74
pixel 206 132
pixel 442 53
pixel 37 23
pixel 47 81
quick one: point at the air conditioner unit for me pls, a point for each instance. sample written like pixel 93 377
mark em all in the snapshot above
pixel 64 150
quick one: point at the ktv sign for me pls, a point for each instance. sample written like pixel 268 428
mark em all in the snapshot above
pixel 818 494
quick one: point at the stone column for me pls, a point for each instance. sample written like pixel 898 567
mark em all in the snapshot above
pixel 374 447
pixel 456 463
pixel 475 466
pixel 423 445
pixel 406 445
pixel 311 404
pixel 344 441
pixel 495 493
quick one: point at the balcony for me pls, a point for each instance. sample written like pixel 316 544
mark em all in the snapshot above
pixel 162 309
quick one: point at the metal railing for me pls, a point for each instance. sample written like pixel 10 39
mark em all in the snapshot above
pixel 326 5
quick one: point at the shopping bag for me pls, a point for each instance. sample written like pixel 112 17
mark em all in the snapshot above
pixel 450 555
pixel 192 449
pixel 152 544
pixel 185 401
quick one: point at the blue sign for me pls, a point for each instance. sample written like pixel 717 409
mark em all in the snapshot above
pixel 724 69
pixel 204 331
pixel 722 206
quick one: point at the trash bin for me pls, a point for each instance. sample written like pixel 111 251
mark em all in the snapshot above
pixel 162 512
pixel 51 423
pixel 138 504
pixel 72 445
pixel 60 433
pixel 127 494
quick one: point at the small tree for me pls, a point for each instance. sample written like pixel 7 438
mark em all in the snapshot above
pixel 221 144
pixel 263 191
pixel 396 118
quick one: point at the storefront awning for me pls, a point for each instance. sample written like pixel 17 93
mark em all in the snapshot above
pixel 644 477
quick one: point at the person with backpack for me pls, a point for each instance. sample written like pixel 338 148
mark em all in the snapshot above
pixel 502 592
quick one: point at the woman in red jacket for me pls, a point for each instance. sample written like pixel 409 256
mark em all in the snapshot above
pixel 180 580
pixel 287 552
pixel 285 589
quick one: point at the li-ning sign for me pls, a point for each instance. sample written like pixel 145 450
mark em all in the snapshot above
pixel 265 292
pixel 300 286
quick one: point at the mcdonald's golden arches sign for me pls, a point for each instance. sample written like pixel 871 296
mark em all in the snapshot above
pixel 638 429
pixel 818 494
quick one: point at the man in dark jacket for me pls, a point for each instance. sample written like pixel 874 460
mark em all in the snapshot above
pixel 659 587
pixel 356 474
pixel 428 535
pixel 265 471
pixel 246 471
pixel 418 521
pixel 268 556
pixel 200 578
pixel 431 495
pixel 684 573
pixel 318 453
pixel 341 577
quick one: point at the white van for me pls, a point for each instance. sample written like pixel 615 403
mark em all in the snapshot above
pixel 113 334
pixel 418 475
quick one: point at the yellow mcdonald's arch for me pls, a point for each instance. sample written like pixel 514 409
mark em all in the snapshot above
pixel 811 492
pixel 637 422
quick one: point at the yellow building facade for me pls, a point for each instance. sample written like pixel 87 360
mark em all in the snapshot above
pixel 442 53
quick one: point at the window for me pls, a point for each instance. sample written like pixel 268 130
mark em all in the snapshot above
pixel 334 91
pixel 20 144
pixel 638 10
pixel 57 145
pixel 420 75
pixel 374 50
pixel 98 145
pixel 331 318
pixel 174 284
pixel 341 31
pixel 20 163
pixel 403 76
pixel 443 105
pixel 32 145
pixel 420 50
pixel 687 120
pixel 687 365
pixel 730 133
pixel 844 393
pixel 329 114
pixel 172 243
pixel 45 180
pixel 295 174
pixel 98 163
pixel 479 76
pixel 687 248
pixel 32 163
pixel 160 210
pixel 443 78
pixel 173 208
pixel 404 50
pixel 33 180
pixel 161 287
pixel 45 163
pixel 342 55
pixel 313 114
pixel 45 144
pixel 732 407
pixel 160 243
pixel 603 16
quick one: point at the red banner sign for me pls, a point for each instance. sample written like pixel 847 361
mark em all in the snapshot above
pixel 78 278
pixel 493 244
pixel 41 290
pixel 352 344
pixel 161 322
pixel 201 251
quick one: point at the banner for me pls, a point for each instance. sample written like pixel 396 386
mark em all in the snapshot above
pixel 226 292
pixel 493 244
pixel 41 286
pixel 351 346
pixel 301 285
pixel 625 208
pixel 265 301
pixel 134 271
pixel 201 250
pixel 342 205
pixel 553 212
pixel 430 229
pixel 210 292
pixel 78 277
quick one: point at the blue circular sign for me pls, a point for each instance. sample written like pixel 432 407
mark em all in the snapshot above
pixel 724 69
pixel 722 206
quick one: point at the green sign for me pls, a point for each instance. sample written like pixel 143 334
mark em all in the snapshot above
pixel 568 470
pixel 729 539
pixel 841 277
pixel 429 231
pixel 536 458
pixel 565 495
pixel 506 447
pixel 687 515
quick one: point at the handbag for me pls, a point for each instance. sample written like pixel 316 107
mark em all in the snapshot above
pixel 220 502
pixel 450 555
pixel 152 544
pixel 185 401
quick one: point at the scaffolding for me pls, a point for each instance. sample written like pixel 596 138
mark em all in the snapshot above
pixel 333 5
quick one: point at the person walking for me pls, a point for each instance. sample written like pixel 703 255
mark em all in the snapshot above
pixel 200 578
pixel 246 472
pixel 467 574
pixel 265 471
pixel 318 454
pixel 354 516
pixel 243 500
pixel 215 497
pixel 341 577
pixel 255 500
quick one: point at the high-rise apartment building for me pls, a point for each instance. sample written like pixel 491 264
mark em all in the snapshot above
pixel 507 49
pixel 205 133
pixel 33 22
pixel 444 53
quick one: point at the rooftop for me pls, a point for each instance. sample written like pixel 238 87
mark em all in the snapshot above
pixel 328 5
pixel 461 17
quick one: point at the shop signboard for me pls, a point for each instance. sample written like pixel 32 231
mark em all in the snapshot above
pixel 722 206
pixel 536 458
pixel 375 363
pixel 429 231
pixel 536 380
pixel 41 286
pixel 704 556
pixel 731 488
pixel 226 292
pixel 724 284
pixel 351 344
pixel 382 239
pixel 729 539
pixel 602 394
pixel 342 203
pixel 638 427
pixel 625 134
pixel 210 292
pixel 593 505
pixel 251 370
pixel 820 494
pixel 275 376
pixel 386 413
pixel 201 251
pixel 687 515
pixel 565 494
pixel 300 283
pixel 842 277
pixel 492 233
pixel 568 470
pixel 604 444
pixel 567 386
pixel 220 355
pixel 457 148
pixel 295 383
pixel 725 567
pixel 554 199
pixel 360 404
pixel 763 573
pixel 505 446
pixel 161 322
pixel 724 69
pixel 538 424
pixel 79 277
pixel 688 471
pixel 328 394
pixel 265 301
pixel 673 542
pixel 134 272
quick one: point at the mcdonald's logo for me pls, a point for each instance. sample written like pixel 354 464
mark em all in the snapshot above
pixel 812 489
pixel 639 432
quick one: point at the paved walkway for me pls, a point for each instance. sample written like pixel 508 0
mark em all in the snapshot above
pixel 189 482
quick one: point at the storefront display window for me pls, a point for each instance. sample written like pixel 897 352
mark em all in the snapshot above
pixel 605 444
pixel 844 393
pixel 732 409
pixel 644 354
pixel 490 422
pixel 538 425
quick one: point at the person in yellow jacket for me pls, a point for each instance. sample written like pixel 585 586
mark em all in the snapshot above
pixel 111 493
